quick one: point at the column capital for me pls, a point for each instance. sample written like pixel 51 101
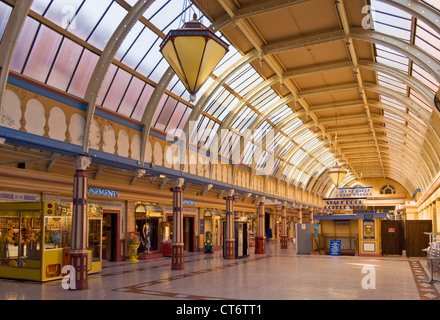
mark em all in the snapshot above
pixel 262 199
pixel 178 182
pixel 284 204
pixel 82 162
pixel 230 192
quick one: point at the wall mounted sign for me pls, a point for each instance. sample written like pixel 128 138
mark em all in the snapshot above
pixel 189 202
pixel 344 204
pixel 355 192
pixel 103 193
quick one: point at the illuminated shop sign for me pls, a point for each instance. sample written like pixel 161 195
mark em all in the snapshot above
pixel 103 193
pixel 189 202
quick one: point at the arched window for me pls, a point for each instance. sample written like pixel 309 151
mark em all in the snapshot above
pixel 388 189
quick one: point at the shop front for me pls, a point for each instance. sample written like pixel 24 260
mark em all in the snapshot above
pixel 190 236
pixel 149 226
pixel 35 239
pixel 213 224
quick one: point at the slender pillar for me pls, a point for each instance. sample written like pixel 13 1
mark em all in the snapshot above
pixel 177 246
pixel 300 215
pixel 284 225
pixel 260 239
pixel 78 252
pixel 230 227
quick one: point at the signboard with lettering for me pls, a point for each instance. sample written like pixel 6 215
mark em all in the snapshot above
pixel 357 192
pixel 103 192
pixel 335 247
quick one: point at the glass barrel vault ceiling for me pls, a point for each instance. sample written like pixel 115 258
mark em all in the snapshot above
pixel 62 40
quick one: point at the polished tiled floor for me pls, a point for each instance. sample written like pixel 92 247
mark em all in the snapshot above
pixel 277 275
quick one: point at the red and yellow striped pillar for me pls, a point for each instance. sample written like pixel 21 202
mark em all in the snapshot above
pixel 284 225
pixel 78 252
pixel 177 246
pixel 230 227
pixel 260 239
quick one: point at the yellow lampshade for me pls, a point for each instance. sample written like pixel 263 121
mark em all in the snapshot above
pixel 337 174
pixel 193 52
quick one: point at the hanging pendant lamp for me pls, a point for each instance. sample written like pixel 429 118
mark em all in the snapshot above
pixel 193 52
pixel 337 174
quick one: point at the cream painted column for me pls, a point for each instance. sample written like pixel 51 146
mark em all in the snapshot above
pixel 78 252
pixel 260 239
pixel 230 226
pixel 284 225
pixel 436 220
pixel 177 245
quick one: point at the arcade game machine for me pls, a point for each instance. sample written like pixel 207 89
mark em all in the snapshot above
pixel 35 240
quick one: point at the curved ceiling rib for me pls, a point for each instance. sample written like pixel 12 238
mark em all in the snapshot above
pixel 9 40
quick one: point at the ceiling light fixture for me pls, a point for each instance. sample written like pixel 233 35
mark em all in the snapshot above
pixel 193 52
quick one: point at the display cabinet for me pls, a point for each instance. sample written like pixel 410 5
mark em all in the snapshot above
pixel 35 240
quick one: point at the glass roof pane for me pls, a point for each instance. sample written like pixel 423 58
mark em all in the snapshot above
pixel 39 6
pixel 426 78
pixel 249 151
pixel 393 117
pixel 61 12
pixel 296 156
pixel 244 119
pixel 42 54
pixel 65 64
pixel 391 20
pixel 280 114
pixel 136 45
pixel 229 143
pixel 392 58
pixel 302 136
pixel 420 100
pixel 131 96
pixel 24 43
pixel 428 39
pixel 84 70
pixel 88 17
pixel 230 58
pixel 392 83
pixel 245 81
pixel 107 25
pixel 265 99
pixel 141 105
pixel 116 91
pixel 289 146
pixel 389 101
pixel 274 143
pixel 5 12
pixel 265 130
pixel 292 126
pixel 433 3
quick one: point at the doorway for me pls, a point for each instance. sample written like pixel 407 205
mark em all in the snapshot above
pixel 416 237
pixel 188 233
pixel 110 236
pixel 392 237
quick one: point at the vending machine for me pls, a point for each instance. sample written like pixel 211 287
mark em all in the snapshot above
pixel 303 238
pixel 241 239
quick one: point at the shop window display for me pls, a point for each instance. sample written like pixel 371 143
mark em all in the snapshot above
pixel 35 239
pixel 20 239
